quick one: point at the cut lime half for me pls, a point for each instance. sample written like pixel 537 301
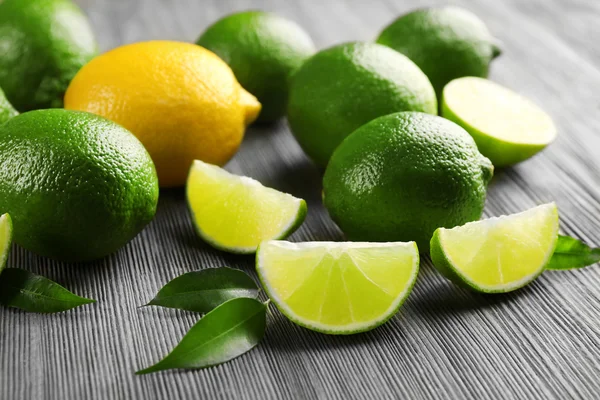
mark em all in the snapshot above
pixel 338 288
pixel 236 213
pixel 5 239
pixel 497 255
pixel 507 127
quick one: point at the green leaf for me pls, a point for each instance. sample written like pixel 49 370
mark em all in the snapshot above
pixel 34 293
pixel 571 253
pixel 223 334
pixel 201 291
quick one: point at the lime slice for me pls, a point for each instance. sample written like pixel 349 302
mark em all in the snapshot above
pixel 497 255
pixel 338 288
pixel 507 127
pixel 236 213
pixel 5 239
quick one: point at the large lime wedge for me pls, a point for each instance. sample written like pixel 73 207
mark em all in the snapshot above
pixel 507 127
pixel 338 288
pixel 497 255
pixel 5 239
pixel 236 213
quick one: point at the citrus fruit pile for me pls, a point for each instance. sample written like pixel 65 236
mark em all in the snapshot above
pixel 399 180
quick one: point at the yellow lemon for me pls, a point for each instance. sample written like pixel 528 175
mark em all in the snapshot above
pixel 180 100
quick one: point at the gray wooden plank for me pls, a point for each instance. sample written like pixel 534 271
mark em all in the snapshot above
pixel 541 342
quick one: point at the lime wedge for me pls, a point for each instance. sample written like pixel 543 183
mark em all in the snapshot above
pixel 507 127
pixel 5 239
pixel 497 255
pixel 338 288
pixel 236 213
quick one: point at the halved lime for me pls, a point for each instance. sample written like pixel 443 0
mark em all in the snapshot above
pixel 236 213
pixel 5 239
pixel 497 255
pixel 338 288
pixel 507 127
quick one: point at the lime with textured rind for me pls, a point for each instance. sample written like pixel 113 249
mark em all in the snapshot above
pixel 497 255
pixel 77 186
pixel 44 44
pixel 236 213
pixel 338 288
pixel 445 42
pixel 507 127
pixel 7 111
pixel 341 88
pixel 402 176
pixel 263 50
pixel 6 229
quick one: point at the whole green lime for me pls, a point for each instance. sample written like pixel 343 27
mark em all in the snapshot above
pixel 341 88
pixel 402 176
pixel 43 45
pixel 263 50
pixel 445 42
pixel 77 186
pixel 7 111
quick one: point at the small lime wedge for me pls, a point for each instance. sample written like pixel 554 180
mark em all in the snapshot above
pixel 236 213
pixel 5 239
pixel 338 288
pixel 507 127
pixel 497 255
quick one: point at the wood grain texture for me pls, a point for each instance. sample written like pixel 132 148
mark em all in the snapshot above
pixel 541 342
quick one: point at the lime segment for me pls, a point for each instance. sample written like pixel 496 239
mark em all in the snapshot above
pixel 5 239
pixel 507 127
pixel 338 288
pixel 497 255
pixel 236 213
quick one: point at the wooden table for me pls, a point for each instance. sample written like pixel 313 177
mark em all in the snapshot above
pixel 538 343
